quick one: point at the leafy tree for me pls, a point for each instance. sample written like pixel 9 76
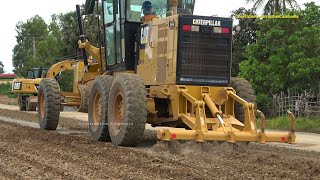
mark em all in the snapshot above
pixel 49 43
pixel 69 31
pixel 245 36
pixel 69 28
pixel 286 55
pixel 34 29
pixel 273 6
pixel 54 42
pixel 1 68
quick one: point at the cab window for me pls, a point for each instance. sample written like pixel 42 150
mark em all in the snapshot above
pixel 30 74
pixel 108 11
pixel 134 9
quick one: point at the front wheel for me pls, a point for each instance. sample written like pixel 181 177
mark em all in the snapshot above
pixel 49 100
pixel 127 112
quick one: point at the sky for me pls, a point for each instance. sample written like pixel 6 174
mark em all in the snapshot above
pixel 20 10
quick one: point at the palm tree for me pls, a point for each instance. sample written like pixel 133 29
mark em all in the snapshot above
pixel 273 6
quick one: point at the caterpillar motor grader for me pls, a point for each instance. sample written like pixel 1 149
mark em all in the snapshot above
pixel 27 88
pixel 171 70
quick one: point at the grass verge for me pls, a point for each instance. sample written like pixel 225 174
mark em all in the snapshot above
pixel 5 89
pixel 304 124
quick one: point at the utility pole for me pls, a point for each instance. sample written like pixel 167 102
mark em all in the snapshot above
pixel 34 46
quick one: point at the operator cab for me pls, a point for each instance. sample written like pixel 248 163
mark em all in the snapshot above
pixel 37 73
pixel 122 20
pixel 174 48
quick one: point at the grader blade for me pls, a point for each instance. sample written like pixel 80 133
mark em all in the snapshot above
pixel 224 127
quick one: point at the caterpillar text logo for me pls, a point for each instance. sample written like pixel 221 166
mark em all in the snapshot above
pixel 206 22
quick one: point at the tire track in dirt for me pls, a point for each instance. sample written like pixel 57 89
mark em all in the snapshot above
pixel 92 157
pixel 76 155
pixel 37 169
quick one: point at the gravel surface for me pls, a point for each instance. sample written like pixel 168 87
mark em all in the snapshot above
pixel 6 100
pixel 31 153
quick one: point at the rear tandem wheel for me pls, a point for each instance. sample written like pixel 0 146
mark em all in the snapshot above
pixel 98 108
pixel 244 90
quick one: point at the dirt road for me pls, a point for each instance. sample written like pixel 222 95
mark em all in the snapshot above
pixel 69 153
pixel 305 141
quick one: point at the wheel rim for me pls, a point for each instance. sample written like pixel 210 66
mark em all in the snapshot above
pixel 97 109
pixel 119 110
pixel 42 105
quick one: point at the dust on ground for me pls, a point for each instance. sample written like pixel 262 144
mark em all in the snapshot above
pixel 28 153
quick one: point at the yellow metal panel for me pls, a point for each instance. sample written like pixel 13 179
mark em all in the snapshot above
pixel 146 73
pixel 172 50
pixel 28 86
pixel 158 58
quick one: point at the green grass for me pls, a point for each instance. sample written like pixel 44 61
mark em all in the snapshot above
pixel 5 89
pixel 310 124
pixel 6 79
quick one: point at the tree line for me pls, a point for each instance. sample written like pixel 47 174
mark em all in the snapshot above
pixel 41 44
pixel 273 54
pixel 279 54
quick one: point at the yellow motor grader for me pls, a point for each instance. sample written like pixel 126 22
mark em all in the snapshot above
pixel 171 70
pixel 27 88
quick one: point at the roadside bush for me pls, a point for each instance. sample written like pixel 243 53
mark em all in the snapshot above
pixel 5 89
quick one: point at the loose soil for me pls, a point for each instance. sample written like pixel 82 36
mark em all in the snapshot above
pixel 30 153
pixel 6 100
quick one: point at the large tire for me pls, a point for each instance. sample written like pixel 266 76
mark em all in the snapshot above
pixel 98 108
pixel 127 113
pixel 22 102
pixel 30 106
pixel 244 90
pixel 49 100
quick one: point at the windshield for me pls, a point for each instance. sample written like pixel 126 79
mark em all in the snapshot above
pixel 30 74
pixel 157 7
pixel 44 73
